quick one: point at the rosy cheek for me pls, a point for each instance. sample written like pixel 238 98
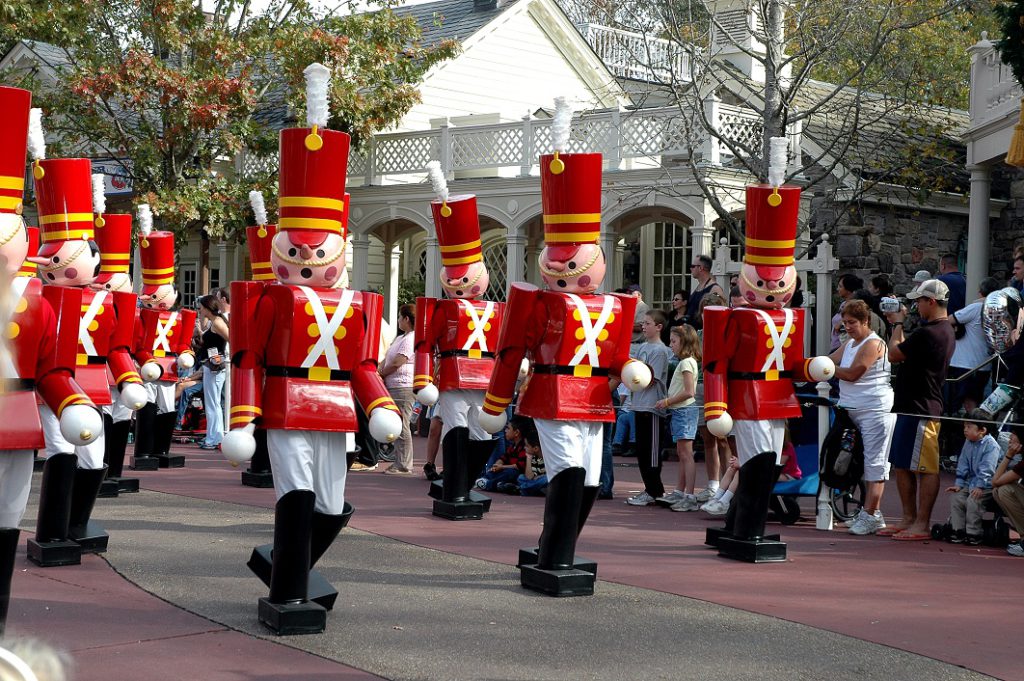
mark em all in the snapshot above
pixel 331 273
pixel 71 273
pixel 282 272
pixel 749 295
pixel 476 290
pixel 786 297
pixel 584 281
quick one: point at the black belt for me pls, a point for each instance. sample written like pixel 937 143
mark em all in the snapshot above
pixel 10 385
pixel 299 372
pixel 92 360
pixel 463 353
pixel 755 375
pixel 566 370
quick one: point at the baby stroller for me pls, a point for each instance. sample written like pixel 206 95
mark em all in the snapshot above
pixel 193 423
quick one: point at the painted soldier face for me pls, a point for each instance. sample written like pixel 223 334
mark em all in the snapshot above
pixel 767 287
pixel 13 243
pixel 76 263
pixel 118 281
pixel 465 281
pixel 572 271
pixel 308 258
pixel 163 298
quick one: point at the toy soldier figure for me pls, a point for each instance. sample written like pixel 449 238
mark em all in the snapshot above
pixel 163 343
pixel 752 355
pixel 576 340
pixel 69 262
pixel 301 360
pixel 462 331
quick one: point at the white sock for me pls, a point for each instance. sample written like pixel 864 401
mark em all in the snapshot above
pixel 726 497
pixel 713 485
pixel 718 494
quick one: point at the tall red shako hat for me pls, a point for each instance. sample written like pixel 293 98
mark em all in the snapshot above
pixel 113 233
pixel 156 250
pixel 259 238
pixel 570 186
pixel 772 213
pixel 457 223
pixel 29 268
pixel 14 116
pixel 314 163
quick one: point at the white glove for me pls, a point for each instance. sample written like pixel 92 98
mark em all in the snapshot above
pixel 385 425
pixel 636 376
pixel 239 445
pixel 151 371
pixel 134 396
pixel 821 368
pixel 186 360
pixel 721 426
pixel 428 395
pixel 491 423
pixel 80 424
pixel 524 368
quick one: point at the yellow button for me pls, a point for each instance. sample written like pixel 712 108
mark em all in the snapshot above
pixel 13 330
pixel 578 348
pixel 770 343
pixel 349 312
pixel 310 348
pixel 22 306
pixel 94 325
pixel 580 333
pixel 102 308
pixel 170 333
pixel 340 333
pixel 472 326
pixel 487 327
pixel 611 318
pixel 313 330
pixel 767 331
pixel 603 336
pixel 309 308
pixel 576 315
pixel 789 341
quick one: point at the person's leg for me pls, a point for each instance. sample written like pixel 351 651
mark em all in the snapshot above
pixel 928 492
pixel 434 439
pixel 906 485
pixel 1011 499
pixel 926 462
pixel 648 455
pixel 213 385
pixel 958 511
pixel 876 430
pixel 712 463
pixel 687 466
pixel 902 459
pixel 404 399
pixel 975 511
pixel 607 463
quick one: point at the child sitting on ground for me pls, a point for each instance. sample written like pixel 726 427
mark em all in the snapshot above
pixel 533 480
pixel 719 503
pixel 973 487
pixel 513 461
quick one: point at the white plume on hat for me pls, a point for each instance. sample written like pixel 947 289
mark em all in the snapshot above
pixel 145 219
pixel 561 126
pixel 36 138
pixel 99 197
pixel 438 180
pixel 259 208
pixel 778 160
pixel 318 80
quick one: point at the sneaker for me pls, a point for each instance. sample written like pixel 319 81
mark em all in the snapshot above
pixel 362 467
pixel 866 523
pixel 395 470
pixel 959 537
pixel 430 472
pixel 856 516
pixel 642 499
pixel 716 507
pixel 974 540
pixel 686 504
pixel 671 498
pixel 1015 549
pixel 705 495
pixel 481 483
pixel 508 487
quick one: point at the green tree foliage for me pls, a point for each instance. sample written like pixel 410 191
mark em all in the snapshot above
pixel 1010 16
pixel 178 92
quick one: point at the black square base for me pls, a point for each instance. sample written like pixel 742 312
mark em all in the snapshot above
pixel 261 479
pixel 127 485
pixel 108 489
pixel 320 591
pixel 713 534
pixel 560 583
pixel 54 553
pixel 291 619
pixel 143 463
pixel 528 556
pixel 458 510
pixel 170 460
pixel 752 550
pixel 93 539
pixel 436 491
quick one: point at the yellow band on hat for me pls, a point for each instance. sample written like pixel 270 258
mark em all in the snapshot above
pixel 65 217
pixel 768 243
pixel 113 268
pixel 768 260
pixel 320 224
pixel 462 261
pixel 571 237
pixel 11 182
pixel 10 202
pixel 460 247
pixel 310 202
pixel 568 218
pixel 66 234
pixel 113 256
pixel 162 270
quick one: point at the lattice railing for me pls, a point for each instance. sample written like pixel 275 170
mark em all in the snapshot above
pixel 639 57
pixel 739 125
pixel 995 91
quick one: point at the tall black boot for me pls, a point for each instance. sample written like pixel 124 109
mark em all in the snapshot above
pixel 748 543
pixel 528 556
pixel 164 433
pixel 554 573
pixel 116 442
pixel 51 545
pixel 259 473
pixel 88 534
pixel 108 488
pixel 455 503
pixel 8 550
pixel 144 458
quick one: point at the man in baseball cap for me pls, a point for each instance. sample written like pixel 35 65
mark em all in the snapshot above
pixel 931 288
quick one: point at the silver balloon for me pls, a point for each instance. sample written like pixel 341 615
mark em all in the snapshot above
pixel 999 317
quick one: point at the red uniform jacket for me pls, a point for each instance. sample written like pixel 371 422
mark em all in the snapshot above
pixel 463 334
pixel 41 335
pixel 573 353
pixel 161 335
pixel 301 357
pixel 750 364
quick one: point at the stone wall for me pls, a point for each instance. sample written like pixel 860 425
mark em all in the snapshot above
pixel 1006 231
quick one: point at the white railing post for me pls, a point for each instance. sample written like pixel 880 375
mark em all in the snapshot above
pixel 615 154
pixel 711 152
pixel 796 157
pixel 823 517
pixel 825 266
pixel 445 149
pixel 720 267
pixel 371 160
pixel 527 162
pixel 981 77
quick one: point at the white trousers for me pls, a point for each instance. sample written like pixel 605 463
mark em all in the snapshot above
pixel 571 444
pixel 459 409
pixel 117 410
pixel 758 437
pixel 876 429
pixel 161 393
pixel 90 456
pixel 311 460
pixel 15 483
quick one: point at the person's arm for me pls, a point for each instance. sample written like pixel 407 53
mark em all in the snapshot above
pixel 982 481
pixel 1002 476
pixel 866 356
pixel 528 471
pixel 220 327
pixel 896 339
pixel 396 361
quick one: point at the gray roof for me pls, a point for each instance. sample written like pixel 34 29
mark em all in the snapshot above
pixel 449 19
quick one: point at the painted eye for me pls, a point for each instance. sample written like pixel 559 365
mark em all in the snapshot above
pixel 760 283
pixel 572 264
pixel 56 260
pixel 465 280
pixel 321 253
pixel 293 252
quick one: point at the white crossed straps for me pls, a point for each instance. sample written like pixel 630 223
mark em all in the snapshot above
pixel 84 337
pixel 162 331
pixel 778 339
pixel 478 337
pixel 325 344
pixel 7 368
pixel 591 331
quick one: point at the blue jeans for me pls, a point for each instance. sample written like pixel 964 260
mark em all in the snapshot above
pixel 625 428
pixel 213 385
pixel 532 488
pixel 184 399
pixel 504 475
pixel 607 463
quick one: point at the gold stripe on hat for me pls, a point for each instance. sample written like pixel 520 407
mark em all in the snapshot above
pixel 768 243
pixel 571 237
pixel 768 260
pixel 161 270
pixel 65 217
pixel 462 261
pixel 310 202
pixel 11 182
pixel 568 218
pixel 66 234
pixel 460 247
pixel 10 202
pixel 320 224
pixel 113 268
pixel 112 256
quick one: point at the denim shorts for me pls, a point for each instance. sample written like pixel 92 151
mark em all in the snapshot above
pixel 683 423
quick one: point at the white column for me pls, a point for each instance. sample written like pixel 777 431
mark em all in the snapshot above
pixel 700 244
pixel 620 258
pixel 432 282
pixel 236 265
pixel 532 270
pixel 360 261
pixel 222 257
pixel 391 287
pixel 515 255
pixel 609 242
pixel 978 229
pixel 137 272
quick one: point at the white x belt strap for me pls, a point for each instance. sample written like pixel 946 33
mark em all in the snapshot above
pixel 7 368
pixel 162 331
pixel 84 337
pixel 478 339
pixel 591 331
pixel 325 344
pixel 778 339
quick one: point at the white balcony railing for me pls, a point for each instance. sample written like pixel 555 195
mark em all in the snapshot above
pixel 995 93
pixel 637 56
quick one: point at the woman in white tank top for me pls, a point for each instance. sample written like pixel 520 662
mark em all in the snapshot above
pixel 864 373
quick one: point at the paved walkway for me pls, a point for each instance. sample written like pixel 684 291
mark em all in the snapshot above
pixel 423 598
